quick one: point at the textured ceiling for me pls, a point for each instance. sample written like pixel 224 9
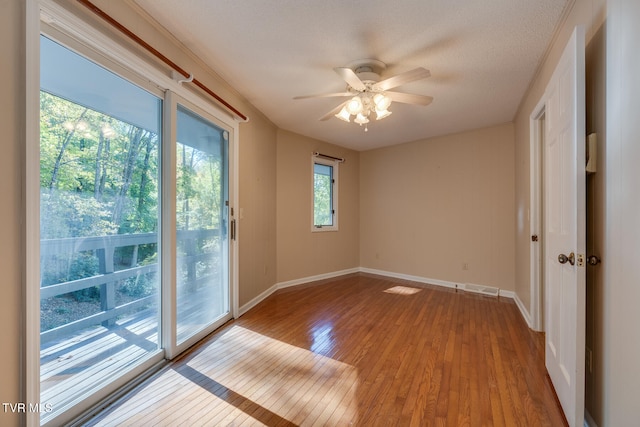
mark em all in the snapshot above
pixel 481 54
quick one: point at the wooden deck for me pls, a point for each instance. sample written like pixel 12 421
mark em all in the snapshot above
pixel 68 365
pixel 357 350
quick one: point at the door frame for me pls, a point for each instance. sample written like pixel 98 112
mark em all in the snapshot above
pixel 536 226
pixel 168 191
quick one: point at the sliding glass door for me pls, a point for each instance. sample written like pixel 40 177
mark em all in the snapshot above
pixel 135 228
pixel 202 194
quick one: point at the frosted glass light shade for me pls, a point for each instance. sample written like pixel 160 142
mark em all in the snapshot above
pixel 354 106
pixel 344 115
pixel 382 101
pixel 360 119
pixel 382 114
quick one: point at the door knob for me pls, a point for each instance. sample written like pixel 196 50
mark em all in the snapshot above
pixel 593 260
pixel 562 258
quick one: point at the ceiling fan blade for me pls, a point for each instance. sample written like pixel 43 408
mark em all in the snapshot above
pixel 410 98
pixel 349 76
pixel 333 112
pixel 402 78
pixel 324 95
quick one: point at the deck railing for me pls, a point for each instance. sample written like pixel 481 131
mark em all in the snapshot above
pixel 103 247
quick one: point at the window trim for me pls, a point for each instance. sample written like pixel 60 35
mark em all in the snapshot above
pixel 334 164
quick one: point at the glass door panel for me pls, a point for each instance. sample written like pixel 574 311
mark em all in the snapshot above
pixel 202 264
pixel 99 205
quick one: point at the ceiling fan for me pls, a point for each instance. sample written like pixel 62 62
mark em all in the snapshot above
pixel 369 94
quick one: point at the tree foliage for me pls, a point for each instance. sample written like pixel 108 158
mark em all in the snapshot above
pixel 322 206
pixel 99 175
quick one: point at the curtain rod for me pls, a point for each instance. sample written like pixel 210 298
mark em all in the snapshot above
pixel 189 77
pixel 325 156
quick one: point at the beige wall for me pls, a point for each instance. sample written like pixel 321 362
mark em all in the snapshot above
pixel 301 252
pixel 620 288
pixel 257 210
pixel 428 207
pixel 11 212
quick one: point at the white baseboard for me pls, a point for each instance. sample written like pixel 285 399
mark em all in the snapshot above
pixel 506 294
pixel 419 279
pixel 257 300
pixel 468 287
pixel 315 278
pixel 523 310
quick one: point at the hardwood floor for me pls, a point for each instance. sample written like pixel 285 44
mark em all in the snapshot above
pixel 356 350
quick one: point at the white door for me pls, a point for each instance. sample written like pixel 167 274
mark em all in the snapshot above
pixel 564 201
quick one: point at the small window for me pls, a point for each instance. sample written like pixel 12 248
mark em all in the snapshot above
pixel 325 195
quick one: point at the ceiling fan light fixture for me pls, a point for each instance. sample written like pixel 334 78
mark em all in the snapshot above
pixel 354 106
pixel 367 93
pixel 381 101
pixel 381 114
pixel 344 115
pixel 361 119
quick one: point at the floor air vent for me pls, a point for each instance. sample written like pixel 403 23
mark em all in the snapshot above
pixel 480 289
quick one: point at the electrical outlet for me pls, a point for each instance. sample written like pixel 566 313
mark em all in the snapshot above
pixel 465 265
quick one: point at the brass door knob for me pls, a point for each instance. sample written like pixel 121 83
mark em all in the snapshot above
pixel 593 260
pixel 562 258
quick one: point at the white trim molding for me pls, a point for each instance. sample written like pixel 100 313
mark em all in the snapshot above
pixel 280 285
pixel 31 181
pixel 409 277
pixel 255 301
pixel 317 277
pixel 523 310
pixel 467 287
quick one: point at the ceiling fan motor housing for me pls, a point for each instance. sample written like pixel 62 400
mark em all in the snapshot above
pixel 369 77
pixel 368 70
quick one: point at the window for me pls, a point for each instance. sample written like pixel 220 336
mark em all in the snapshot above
pixel 325 195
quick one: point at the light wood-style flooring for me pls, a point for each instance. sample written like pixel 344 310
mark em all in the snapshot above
pixel 357 350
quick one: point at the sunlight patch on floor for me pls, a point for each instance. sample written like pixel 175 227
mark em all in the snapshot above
pixel 294 383
pixel 246 378
pixel 402 290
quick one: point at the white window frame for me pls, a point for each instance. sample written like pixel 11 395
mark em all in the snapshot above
pixel 48 17
pixel 315 159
